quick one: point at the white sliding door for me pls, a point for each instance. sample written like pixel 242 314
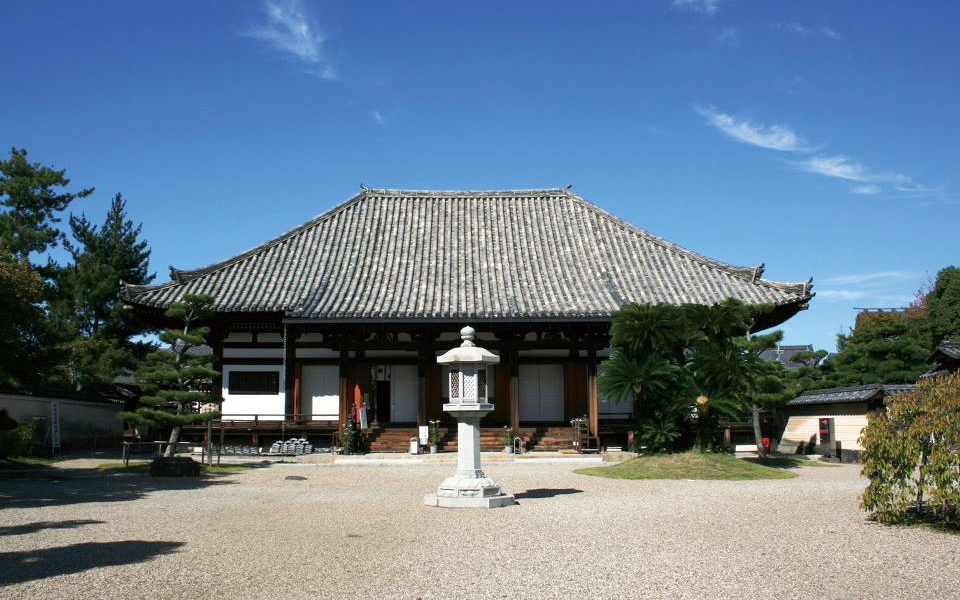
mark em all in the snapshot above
pixel 541 393
pixel 320 392
pixel 403 393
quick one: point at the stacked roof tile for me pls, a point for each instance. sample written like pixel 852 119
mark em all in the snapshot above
pixel 426 255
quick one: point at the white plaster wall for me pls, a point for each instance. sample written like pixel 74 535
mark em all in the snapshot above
pixel 403 393
pixel 804 429
pixel 320 392
pixel 79 421
pixel 244 406
pixel 253 352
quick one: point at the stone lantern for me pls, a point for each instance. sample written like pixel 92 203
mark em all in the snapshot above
pixel 469 390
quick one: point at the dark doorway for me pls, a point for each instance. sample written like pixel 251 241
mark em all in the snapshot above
pixel 382 400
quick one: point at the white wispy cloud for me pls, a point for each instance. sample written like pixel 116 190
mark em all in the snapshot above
pixel 867 189
pixel 728 36
pixel 774 137
pixel 827 32
pixel 836 166
pixel 377 117
pixel 290 30
pixel 859 278
pixel 707 7
pixel 798 29
pixel 920 189
pixel 866 298
pixel 843 168
pixel 847 295
pixel 867 182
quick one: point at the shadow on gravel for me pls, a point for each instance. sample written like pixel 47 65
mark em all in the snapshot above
pixel 39 564
pixel 545 493
pixel 41 525
pixel 61 487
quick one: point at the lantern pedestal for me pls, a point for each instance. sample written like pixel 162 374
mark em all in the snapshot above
pixel 469 487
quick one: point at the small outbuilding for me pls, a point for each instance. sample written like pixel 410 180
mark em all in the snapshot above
pixel 847 407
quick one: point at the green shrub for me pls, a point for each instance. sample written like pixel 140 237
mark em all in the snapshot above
pixel 659 433
pixel 911 455
pixel 19 441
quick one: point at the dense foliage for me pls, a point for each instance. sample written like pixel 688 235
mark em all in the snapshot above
pixel 31 196
pixel 24 334
pixel 884 347
pixel 174 378
pixel 16 439
pixel 63 326
pixel 911 455
pixel 943 302
pixel 97 330
pixel 689 364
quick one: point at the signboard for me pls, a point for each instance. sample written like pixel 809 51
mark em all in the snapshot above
pixel 825 430
pixel 54 426
pixel 424 435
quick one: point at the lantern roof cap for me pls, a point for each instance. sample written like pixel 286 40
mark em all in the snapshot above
pixel 468 352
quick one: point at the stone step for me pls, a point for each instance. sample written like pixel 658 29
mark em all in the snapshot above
pixel 389 439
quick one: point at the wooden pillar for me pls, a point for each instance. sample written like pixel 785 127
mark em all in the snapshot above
pixel 345 400
pixel 297 406
pixel 217 335
pixel 289 369
pixel 593 406
pixel 423 368
pixel 514 390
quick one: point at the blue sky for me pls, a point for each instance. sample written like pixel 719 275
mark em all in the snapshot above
pixel 818 138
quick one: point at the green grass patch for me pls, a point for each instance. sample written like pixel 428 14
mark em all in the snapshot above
pixel 789 462
pixel 688 465
pixel 143 466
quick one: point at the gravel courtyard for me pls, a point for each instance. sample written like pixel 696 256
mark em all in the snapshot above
pixel 361 531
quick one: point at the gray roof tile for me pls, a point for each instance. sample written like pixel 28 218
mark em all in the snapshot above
pixel 857 393
pixel 393 254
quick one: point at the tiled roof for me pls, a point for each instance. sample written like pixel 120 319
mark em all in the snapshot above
pixel 857 393
pixel 949 349
pixel 945 359
pixel 422 255
pixel 784 355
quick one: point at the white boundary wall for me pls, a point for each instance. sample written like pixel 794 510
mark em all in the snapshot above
pixel 81 423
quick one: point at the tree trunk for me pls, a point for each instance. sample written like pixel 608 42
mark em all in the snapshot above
pixel 757 437
pixel 172 442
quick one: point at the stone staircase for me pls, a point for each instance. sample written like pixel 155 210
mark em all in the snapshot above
pixel 397 439
pixel 390 439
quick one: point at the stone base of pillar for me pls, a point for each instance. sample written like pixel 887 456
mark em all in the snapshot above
pixel 469 492
pixel 469 502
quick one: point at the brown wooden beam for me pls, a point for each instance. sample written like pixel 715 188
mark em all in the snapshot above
pixel 593 396
pixel 290 334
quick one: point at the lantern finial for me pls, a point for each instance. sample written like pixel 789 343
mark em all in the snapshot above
pixel 467 335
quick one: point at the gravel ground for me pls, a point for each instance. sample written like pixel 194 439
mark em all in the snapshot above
pixel 334 531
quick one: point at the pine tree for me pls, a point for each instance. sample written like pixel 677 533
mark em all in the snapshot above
pixel 28 192
pixel 98 328
pixel 174 378
pixel 22 325
pixel 30 200
pixel 943 302
pixel 884 347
